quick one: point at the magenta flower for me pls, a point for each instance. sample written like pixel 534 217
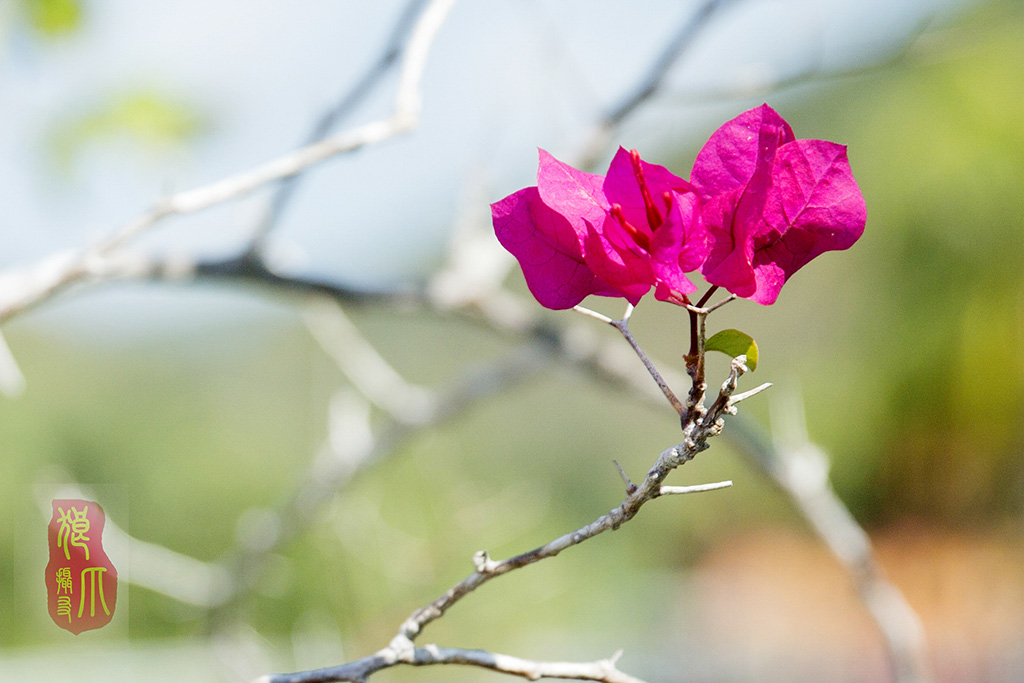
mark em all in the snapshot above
pixel 577 233
pixel 772 203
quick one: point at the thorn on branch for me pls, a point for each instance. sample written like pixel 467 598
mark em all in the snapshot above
pixel 630 486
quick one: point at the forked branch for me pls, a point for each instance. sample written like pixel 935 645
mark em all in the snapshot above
pixel 703 425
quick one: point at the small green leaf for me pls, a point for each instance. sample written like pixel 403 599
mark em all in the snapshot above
pixel 734 343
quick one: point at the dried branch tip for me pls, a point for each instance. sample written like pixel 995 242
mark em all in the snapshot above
pixel 736 398
pixel 696 488
pixel 630 486
pixel 593 314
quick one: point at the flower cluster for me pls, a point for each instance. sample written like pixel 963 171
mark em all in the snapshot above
pixel 759 205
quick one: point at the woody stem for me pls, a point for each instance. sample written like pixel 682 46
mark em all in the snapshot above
pixel 695 358
pixel 691 357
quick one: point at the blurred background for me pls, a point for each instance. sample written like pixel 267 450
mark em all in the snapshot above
pixel 196 410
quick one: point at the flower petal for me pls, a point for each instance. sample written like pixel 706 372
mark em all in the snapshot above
pixel 814 206
pixel 737 150
pixel 733 171
pixel 574 194
pixel 729 261
pixel 679 246
pixel 547 248
pixel 813 189
pixel 615 258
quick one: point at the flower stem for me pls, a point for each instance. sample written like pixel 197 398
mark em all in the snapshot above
pixel 707 296
pixel 695 358
pixel 694 351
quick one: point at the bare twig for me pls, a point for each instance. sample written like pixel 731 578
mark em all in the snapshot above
pixel 702 426
pixel 818 503
pixel 630 486
pixel 366 84
pixel 913 46
pixel 402 653
pixel 38 283
pixel 736 398
pixel 487 569
pixel 650 84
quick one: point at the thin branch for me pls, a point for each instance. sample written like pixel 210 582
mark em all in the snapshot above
pixel 817 501
pixel 813 497
pixel 695 364
pixel 702 426
pixel 366 84
pixel 42 281
pixel 487 569
pixel 736 398
pixel 723 302
pixel 593 314
pixel 398 653
pixel 623 327
pixel 910 48
pixel 630 486
pixel 654 80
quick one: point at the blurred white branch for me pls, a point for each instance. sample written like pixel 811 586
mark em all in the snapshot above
pixel 350 439
pixel 364 366
pixel 404 653
pixel 800 470
pixel 759 83
pixel 651 83
pixel 12 381
pixel 371 79
pixel 476 264
pixel 23 289
pixel 352 446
